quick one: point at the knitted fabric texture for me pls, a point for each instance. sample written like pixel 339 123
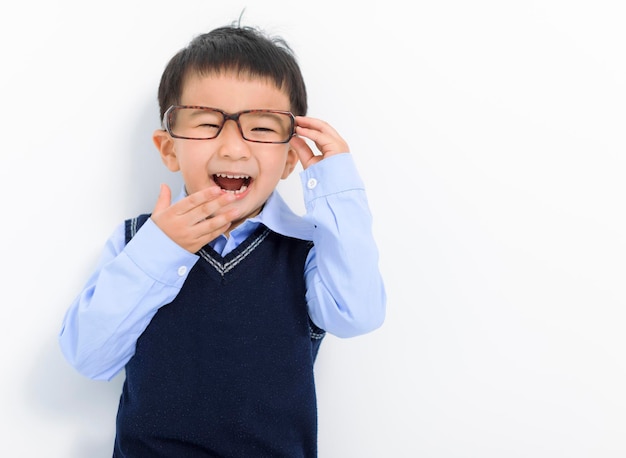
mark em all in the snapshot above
pixel 226 369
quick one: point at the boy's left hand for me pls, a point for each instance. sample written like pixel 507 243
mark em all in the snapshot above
pixel 326 139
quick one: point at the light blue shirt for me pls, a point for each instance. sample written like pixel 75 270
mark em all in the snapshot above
pixel 345 293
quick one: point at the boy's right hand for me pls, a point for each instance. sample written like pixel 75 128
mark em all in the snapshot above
pixel 197 219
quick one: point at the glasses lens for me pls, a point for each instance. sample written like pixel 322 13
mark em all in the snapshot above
pixel 196 123
pixel 266 126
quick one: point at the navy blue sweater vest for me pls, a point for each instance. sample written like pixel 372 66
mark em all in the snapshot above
pixel 226 369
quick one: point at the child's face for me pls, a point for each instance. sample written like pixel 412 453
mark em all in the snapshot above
pixel 202 162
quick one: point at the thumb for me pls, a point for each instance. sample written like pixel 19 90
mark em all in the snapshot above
pixel 164 200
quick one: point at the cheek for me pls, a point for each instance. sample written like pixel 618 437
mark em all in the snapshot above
pixel 279 168
pixel 191 156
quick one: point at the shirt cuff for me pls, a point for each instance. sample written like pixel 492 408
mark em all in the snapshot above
pixel 158 256
pixel 331 175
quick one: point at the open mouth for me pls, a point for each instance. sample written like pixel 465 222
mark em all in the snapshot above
pixel 232 183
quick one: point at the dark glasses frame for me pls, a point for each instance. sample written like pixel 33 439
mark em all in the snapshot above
pixel 167 122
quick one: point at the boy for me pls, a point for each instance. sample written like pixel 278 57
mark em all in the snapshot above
pixel 215 304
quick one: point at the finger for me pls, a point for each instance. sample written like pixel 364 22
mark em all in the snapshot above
pixel 209 229
pixel 214 207
pixel 327 144
pixel 304 152
pixel 217 222
pixel 197 199
pixel 315 125
pixel 312 123
pixel 325 137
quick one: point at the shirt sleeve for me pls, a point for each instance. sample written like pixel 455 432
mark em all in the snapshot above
pixel 345 291
pixel 130 283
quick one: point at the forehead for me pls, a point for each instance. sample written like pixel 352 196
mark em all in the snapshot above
pixel 233 92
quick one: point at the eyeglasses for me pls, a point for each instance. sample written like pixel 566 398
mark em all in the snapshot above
pixel 204 123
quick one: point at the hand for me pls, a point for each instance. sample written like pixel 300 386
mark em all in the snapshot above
pixel 195 220
pixel 326 139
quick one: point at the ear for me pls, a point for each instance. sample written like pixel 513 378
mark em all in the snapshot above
pixel 290 163
pixel 165 144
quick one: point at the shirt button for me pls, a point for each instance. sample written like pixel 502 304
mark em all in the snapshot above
pixel 311 183
pixel 182 270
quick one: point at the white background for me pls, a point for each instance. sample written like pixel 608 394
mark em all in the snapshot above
pixel 490 135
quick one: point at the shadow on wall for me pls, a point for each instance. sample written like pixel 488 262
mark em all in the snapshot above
pixel 60 396
pixel 145 170
pixel 53 391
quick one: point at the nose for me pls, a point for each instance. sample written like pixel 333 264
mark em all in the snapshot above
pixel 232 143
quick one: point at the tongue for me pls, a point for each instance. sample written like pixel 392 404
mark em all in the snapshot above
pixel 230 184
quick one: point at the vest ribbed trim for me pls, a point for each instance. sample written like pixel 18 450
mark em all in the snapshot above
pixel 224 267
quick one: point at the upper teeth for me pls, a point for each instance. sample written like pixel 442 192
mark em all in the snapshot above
pixel 223 175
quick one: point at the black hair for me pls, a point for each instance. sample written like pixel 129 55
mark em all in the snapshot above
pixel 246 51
